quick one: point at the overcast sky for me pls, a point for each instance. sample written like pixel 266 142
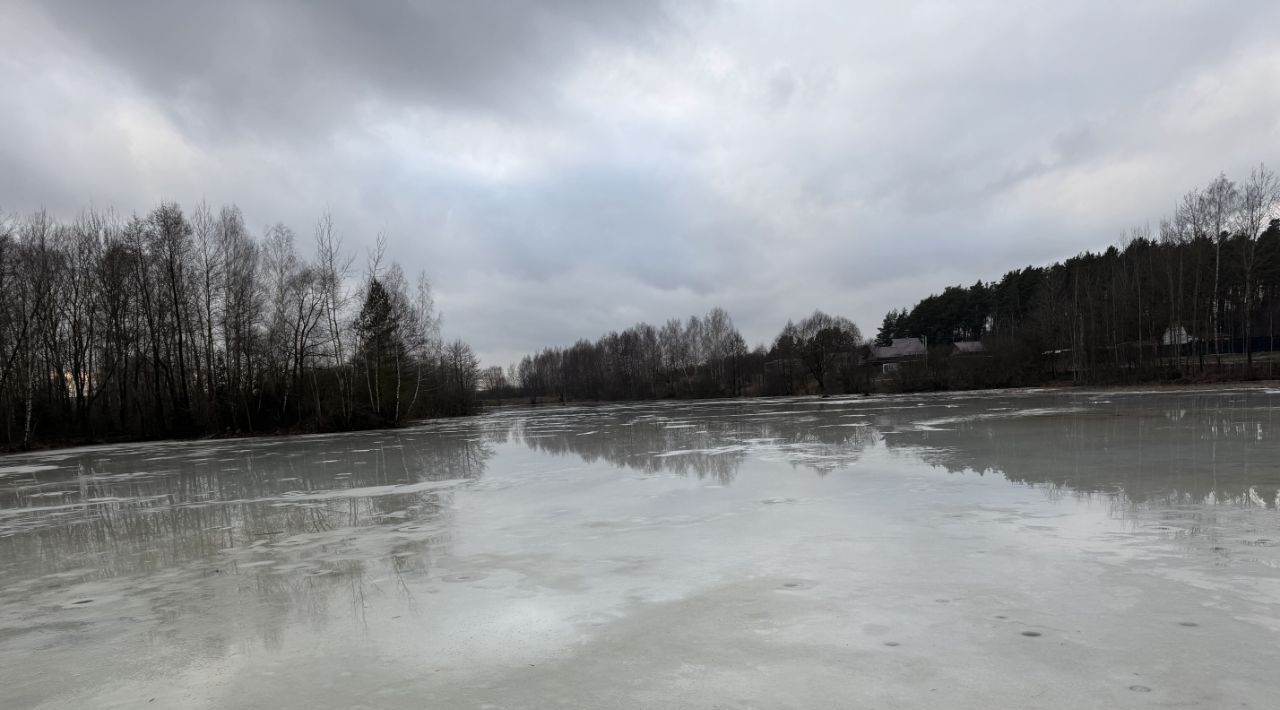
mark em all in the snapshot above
pixel 561 169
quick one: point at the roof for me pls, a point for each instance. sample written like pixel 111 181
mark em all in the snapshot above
pixel 969 346
pixel 1177 335
pixel 901 347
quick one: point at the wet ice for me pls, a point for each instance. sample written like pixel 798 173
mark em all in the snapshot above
pixel 1021 548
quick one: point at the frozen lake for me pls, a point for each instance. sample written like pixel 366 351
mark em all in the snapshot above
pixel 1011 549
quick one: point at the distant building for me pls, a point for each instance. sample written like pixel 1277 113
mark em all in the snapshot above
pixel 901 350
pixel 1176 335
pixel 1061 361
pixel 967 347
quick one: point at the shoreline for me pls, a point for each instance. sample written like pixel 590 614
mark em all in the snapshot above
pixel 1228 385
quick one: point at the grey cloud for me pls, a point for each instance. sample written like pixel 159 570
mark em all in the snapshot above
pixel 561 169
pixel 282 67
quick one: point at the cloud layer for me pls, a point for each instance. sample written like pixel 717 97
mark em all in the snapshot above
pixel 564 168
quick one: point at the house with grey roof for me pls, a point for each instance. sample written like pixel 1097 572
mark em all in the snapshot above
pixel 901 350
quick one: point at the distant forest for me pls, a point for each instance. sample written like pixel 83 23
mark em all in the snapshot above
pixel 169 324
pixel 700 357
pixel 1198 297
pixel 173 324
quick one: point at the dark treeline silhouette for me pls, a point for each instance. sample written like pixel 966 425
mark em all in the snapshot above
pixel 701 357
pixel 168 324
pixel 1197 298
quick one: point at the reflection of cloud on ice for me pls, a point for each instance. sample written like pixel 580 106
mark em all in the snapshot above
pixel 707 439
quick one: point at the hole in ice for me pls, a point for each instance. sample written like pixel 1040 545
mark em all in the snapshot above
pixel 1187 623
pixel 891 643
pixel 1031 634
pixel 82 601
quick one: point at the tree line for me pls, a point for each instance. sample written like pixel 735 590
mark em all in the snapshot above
pixel 1197 296
pixel 703 356
pixel 176 324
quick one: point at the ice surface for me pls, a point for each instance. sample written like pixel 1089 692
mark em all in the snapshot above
pixel 24 469
pixel 1005 549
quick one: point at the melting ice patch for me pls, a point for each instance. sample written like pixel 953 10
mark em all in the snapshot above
pixel 365 492
pixel 15 512
pixel 1001 414
pixel 24 469
pixel 732 448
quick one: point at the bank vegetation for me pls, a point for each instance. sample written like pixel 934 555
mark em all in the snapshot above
pixel 176 324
